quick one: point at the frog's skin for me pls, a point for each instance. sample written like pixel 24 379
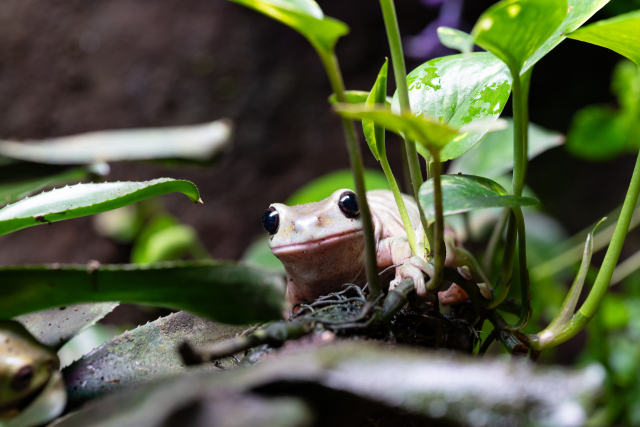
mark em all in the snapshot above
pixel 25 368
pixel 322 248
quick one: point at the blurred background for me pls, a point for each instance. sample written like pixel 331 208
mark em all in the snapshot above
pixel 74 66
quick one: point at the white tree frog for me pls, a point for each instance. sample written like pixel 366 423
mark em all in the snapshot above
pixel 321 245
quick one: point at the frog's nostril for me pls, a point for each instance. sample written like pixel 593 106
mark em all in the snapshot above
pixel 22 379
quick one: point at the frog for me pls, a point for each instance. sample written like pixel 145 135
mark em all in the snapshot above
pixel 321 245
pixel 26 366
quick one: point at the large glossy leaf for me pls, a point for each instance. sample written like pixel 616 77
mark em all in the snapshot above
pixel 55 326
pixel 464 193
pixel 598 133
pixel 431 134
pixel 442 389
pixel 143 354
pixel 514 30
pixel 374 134
pixel 493 157
pixel 304 16
pixel 620 34
pixel 86 199
pixel 459 90
pixel 197 142
pixel 223 291
pixel 579 12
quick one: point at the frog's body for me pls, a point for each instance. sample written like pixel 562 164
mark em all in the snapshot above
pixel 321 245
pixel 25 368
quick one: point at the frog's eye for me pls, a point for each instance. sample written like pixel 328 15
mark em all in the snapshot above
pixel 271 220
pixel 349 204
pixel 22 379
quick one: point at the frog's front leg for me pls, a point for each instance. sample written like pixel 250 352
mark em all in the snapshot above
pixel 396 250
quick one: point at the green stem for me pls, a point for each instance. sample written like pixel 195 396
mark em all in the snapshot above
pixel 589 307
pixel 525 313
pixel 438 241
pixel 400 74
pixel 355 157
pixel 406 222
pixel 494 240
pixel 504 278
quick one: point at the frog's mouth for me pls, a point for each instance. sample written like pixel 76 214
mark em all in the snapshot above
pixel 296 248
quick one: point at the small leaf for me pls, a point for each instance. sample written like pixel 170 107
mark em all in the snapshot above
pixel 143 354
pixel 324 186
pixel 86 199
pixel 224 291
pixel 55 326
pixel 353 97
pixel 170 244
pixel 432 134
pixel 459 90
pixel 373 134
pixel 464 193
pixel 455 39
pixel 620 34
pixel 304 16
pixel 597 133
pixel 514 30
pixel 579 12
pixel 625 83
pixel 196 142
pixel 493 157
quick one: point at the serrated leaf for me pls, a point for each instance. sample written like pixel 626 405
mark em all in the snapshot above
pixel 514 30
pixel 493 156
pixel 374 134
pixel 13 191
pixel 55 326
pixel 433 135
pixel 195 142
pixel 579 11
pixel 225 291
pixel 455 39
pixel 620 34
pixel 304 16
pixel 143 354
pixel 86 199
pixel 464 193
pixel 459 90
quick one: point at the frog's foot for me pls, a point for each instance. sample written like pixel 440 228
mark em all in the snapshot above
pixel 455 295
pixel 413 267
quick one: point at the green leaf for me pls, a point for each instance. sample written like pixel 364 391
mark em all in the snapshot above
pixel 353 97
pixel 514 30
pixel 464 193
pixel 223 291
pixel 373 134
pixel 459 90
pixel 597 133
pixel 493 157
pixel 13 191
pixel 55 326
pixel 86 199
pixel 304 16
pixel 625 83
pixel 620 34
pixel 196 142
pixel 171 244
pixel 259 254
pixel 455 39
pixel 324 186
pixel 433 135
pixel 579 12
pixel 145 353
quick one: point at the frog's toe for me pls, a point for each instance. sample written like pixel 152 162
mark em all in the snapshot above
pixel 409 269
pixel 455 295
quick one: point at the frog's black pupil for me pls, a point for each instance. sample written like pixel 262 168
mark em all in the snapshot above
pixel 349 204
pixel 270 220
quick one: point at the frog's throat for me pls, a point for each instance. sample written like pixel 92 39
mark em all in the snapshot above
pixel 315 244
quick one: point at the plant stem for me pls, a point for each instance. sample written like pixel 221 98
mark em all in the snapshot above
pixel 494 240
pixel 355 157
pixel 406 173
pixel 438 242
pixel 397 195
pixel 525 313
pixel 589 307
pixel 400 75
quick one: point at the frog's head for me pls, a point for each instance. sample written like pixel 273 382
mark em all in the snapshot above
pixel 311 227
pixel 25 367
